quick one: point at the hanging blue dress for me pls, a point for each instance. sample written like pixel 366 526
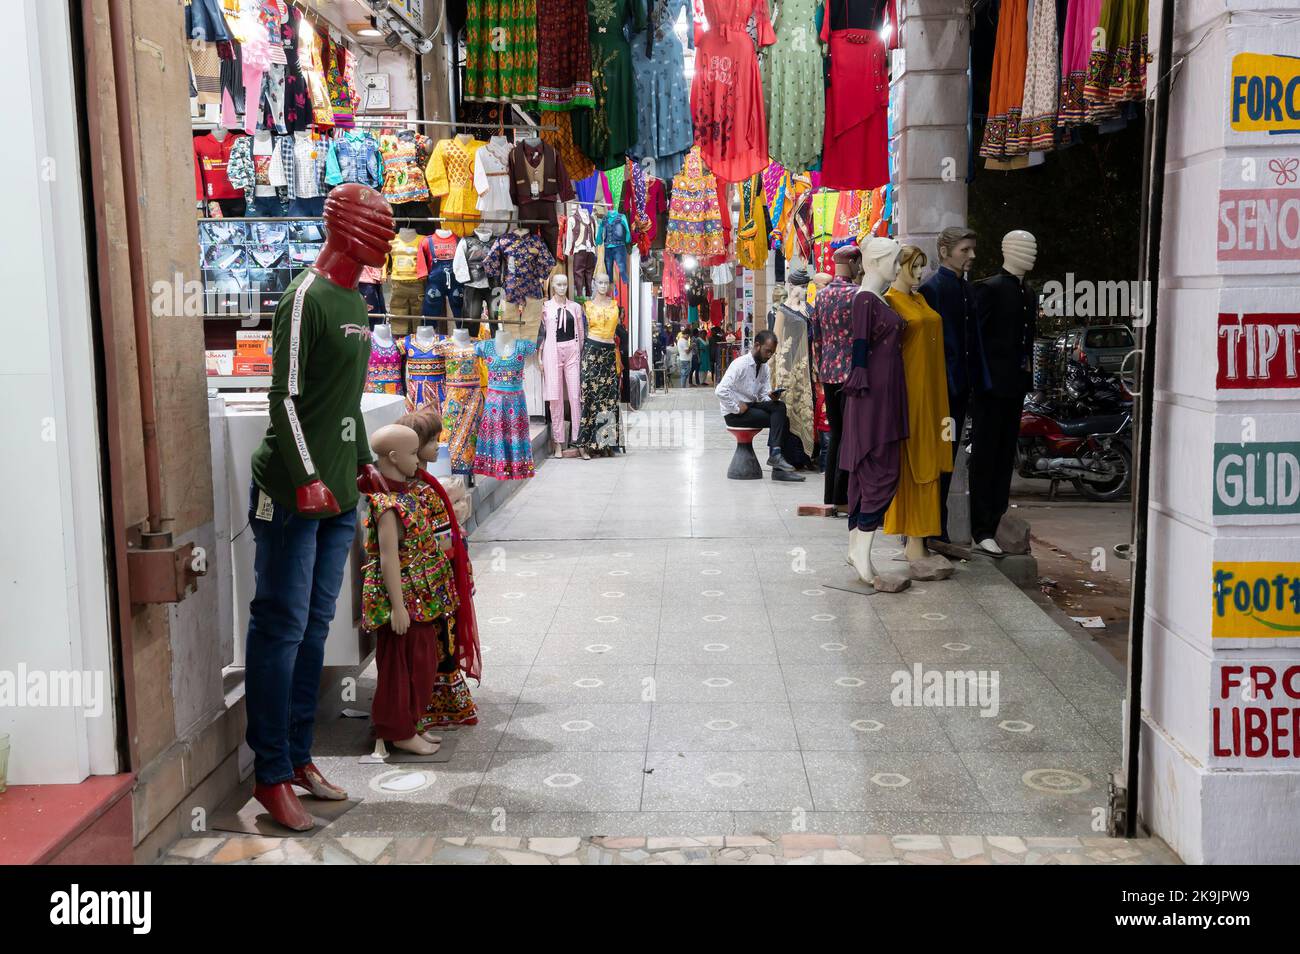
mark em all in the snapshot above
pixel 663 100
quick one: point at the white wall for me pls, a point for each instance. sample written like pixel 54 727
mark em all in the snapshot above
pixel 1211 807
pixel 53 597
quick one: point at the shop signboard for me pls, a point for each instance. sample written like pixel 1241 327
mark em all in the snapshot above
pixel 1257 479
pixel 1259 352
pixel 1255 600
pixel 1265 94
pixel 1255 713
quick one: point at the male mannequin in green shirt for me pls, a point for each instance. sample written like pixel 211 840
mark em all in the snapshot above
pixel 304 496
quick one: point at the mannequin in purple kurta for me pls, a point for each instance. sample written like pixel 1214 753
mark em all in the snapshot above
pixel 559 338
pixel 875 410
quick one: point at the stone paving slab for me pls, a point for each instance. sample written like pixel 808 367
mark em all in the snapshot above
pixel 794 848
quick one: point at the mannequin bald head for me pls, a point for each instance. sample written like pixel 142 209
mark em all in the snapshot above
pixel 397 448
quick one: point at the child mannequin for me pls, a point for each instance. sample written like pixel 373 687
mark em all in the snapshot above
pixel 450 703
pixel 407 591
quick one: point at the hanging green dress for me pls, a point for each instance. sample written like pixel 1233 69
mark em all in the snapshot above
pixel 605 133
pixel 794 92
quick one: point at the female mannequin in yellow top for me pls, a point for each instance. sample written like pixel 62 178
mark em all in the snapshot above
pixel 926 452
pixel 600 430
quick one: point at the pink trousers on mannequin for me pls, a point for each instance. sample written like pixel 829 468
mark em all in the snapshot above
pixel 567 359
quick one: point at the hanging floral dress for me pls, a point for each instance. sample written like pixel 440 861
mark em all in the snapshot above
pixel 563 55
pixel 1117 73
pixel 426 373
pixel 384 372
pixel 727 91
pixel 605 133
pixel 462 410
pixel 694 217
pixel 663 100
pixel 501 51
pixel 1076 50
pixel 503 449
pixel 794 91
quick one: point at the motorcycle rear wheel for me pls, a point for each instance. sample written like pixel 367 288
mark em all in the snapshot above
pixel 1121 460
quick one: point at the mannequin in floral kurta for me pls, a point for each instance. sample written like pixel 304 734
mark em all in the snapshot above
pixel 727 92
pixel 604 134
pixel 451 178
pixel 794 91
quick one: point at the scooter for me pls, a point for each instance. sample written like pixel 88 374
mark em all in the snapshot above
pixel 1094 453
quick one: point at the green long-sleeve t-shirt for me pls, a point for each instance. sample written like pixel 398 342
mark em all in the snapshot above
pixel 320 349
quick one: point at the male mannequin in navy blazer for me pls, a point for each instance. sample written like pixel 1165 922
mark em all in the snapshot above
pixel 1007 310
pixel 948 293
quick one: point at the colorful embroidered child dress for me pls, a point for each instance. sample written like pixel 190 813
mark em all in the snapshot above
pixel 462 409
pixel 504 450
pixel 426 373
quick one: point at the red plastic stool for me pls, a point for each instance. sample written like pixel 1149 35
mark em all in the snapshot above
pixel 744 465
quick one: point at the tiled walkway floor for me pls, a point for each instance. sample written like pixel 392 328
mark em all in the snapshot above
pixel 662 656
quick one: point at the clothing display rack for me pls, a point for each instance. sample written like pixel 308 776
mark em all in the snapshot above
pixel 424 318
pixel 462 220
pixel 448 123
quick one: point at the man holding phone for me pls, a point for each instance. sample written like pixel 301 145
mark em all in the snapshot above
pixel 748 401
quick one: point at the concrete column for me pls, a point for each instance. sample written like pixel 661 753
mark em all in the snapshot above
pixel 1220 762
pixel 930 92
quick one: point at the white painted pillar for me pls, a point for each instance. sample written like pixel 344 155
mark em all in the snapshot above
pixel 931 89
pixel 1229 295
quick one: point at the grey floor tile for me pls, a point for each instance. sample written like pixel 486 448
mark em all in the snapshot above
pixel 892 781
pixel 616 649
pixel 722 727
pixel 626 620
pixel 840 682
pixel 718 682
pixel 692 647
pixel 956 648
pixel 582 727
pixel 510 648
pixel 814 648
pixel 1021 727
pixel 717 621
pixel 1043 783
pixel 562 782
pixel 867 727
pixel 574 683
pixel 735 781
pixel 500 686
pixel 439 784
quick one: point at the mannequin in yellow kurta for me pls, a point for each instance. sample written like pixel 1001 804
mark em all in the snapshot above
pixel 926 451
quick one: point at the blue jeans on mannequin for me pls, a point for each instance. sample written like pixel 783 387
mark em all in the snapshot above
pixel 299 569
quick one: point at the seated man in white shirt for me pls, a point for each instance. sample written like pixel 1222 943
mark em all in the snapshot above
pixel 748 401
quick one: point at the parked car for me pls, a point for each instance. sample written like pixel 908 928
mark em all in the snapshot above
pixel 1101 346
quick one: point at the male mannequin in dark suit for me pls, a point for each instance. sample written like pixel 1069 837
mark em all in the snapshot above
pixel 949 293
pixel 1007 312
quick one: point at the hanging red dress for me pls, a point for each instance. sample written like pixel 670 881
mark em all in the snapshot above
pixel 855 146
pixel 727 91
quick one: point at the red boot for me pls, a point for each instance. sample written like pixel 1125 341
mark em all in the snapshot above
pixel 283 805
pixel 309 777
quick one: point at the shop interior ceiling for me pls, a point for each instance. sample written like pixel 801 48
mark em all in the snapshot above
pixel 355 16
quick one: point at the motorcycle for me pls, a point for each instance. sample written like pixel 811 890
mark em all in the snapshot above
pixel 1093 452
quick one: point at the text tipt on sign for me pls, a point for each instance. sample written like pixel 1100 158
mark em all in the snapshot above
pixel 1259 352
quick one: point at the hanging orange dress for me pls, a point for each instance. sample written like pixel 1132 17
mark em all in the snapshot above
pixel 727 91
pixel 1007 90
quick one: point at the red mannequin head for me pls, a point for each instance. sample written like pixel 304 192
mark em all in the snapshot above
pixel 358 228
